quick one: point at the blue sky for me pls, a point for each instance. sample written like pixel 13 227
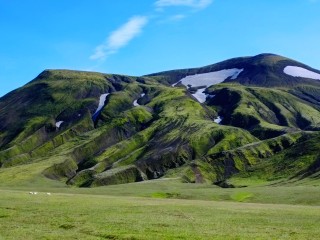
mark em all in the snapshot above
pixel 141 37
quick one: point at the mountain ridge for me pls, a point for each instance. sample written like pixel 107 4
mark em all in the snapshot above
pixel 265 59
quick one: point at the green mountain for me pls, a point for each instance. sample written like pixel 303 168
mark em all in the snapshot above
pixel 250 118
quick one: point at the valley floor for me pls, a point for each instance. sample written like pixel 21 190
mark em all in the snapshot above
pixel 156 210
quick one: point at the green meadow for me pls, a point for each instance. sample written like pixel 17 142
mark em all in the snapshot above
pixel 161 209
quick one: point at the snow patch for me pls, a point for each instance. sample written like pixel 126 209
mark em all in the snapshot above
pixel 58 124
pixel 301 72
pixel 102 100
pixel 236 73
pixel 205 80
pixel 200 95
pixel 135 102
pixel 211 96
pixel 218 120
pixel 209 79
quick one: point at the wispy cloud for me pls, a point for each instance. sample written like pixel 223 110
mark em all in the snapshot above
pixel 172 18
pixel 133 27
pixel 120 37
pixel 199 4
pixel 178 17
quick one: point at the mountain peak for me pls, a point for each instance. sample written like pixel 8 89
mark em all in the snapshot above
pixel 267 59
pixel 266 69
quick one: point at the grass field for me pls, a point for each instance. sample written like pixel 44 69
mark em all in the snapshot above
pixel 161 209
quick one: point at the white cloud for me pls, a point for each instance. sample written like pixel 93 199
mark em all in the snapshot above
pixel 120 37
pixel 172 18
pixel 177 17
pixel 186 3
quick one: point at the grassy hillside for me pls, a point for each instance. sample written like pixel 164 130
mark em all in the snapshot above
pixel 58 127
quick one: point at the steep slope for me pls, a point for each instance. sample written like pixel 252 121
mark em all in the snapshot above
pixel 92 129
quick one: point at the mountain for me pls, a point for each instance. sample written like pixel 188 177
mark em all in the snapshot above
pixel 250 117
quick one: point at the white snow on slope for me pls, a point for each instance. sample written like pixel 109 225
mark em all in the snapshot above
pixel 58 124
pixel 301 72
pixel 200 95
pixel 218 120
pixel 135 102
pixel 103 98
pixel 173 85
pixel 209 79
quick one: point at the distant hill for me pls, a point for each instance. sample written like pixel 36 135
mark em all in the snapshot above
pixel 252 117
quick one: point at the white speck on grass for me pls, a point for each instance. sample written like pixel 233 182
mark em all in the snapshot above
pixel 218 120
pixel 301 72
pixel 58 124
pixel 102 100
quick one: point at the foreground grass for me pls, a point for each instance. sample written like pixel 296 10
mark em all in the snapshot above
pixel 281 193
pixel 84 216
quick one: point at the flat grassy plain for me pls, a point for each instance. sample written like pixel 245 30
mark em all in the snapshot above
pixel 162 209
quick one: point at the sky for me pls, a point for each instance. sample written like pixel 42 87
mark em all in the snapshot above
pixel 147 36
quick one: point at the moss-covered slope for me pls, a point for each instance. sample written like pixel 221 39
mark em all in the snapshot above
pixel 60 127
